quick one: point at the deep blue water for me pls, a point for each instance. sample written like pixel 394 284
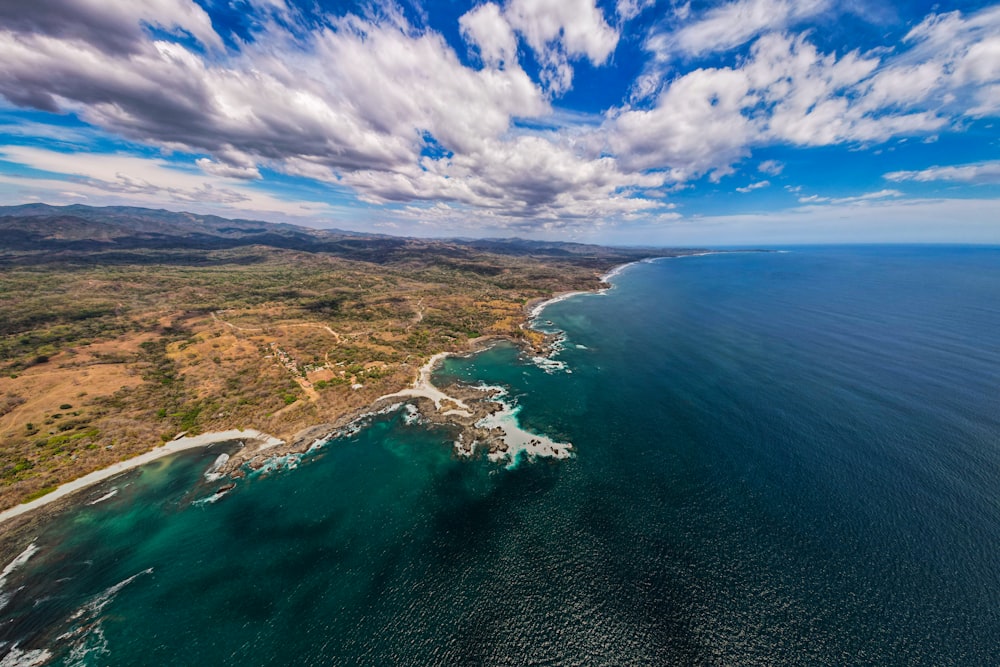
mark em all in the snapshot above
pixel 781 458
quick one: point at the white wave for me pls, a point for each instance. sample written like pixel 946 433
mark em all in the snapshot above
pixel 176 445
pixel 26 658
pixel 107 496
pixel 550 365
pixel 412 415
pixel 318 444
pixel 86 637
pixel 460 449
pixel 213 474
pixel 361 421
pixel 18 561
pixel 97 604
pixel 617 270
pixel 215 497
pixel 520 442
pixel 279 463
pixel 537 310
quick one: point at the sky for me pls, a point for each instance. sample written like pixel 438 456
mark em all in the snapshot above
pixel 617 121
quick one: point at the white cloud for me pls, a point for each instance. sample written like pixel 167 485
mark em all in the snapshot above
pixel 111 178
pixel 754 186
pixel 629 9
pixel 365 121
pixel 981 172
pixel 504 178
pixel 771 167
pixel 785 91
pixel 697 125
pixel 966 50
pixel 558 30
pixel 486 28
pixel 578 26
pixel 390 110
pixel 111 25
pixel 247 172
pixel 856 199
pixel 791 93
pixel 879 221
pixel 730 25
pixel 808 95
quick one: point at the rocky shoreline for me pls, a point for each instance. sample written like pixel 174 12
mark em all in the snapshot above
pixel 462 409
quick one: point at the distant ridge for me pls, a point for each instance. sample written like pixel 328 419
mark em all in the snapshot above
pixel 121 233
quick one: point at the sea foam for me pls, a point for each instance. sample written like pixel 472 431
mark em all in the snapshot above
pixel 107 496
pixel 520 442
pixel 19 560
pixel 25 658
pixel 213 474
pixel 86 637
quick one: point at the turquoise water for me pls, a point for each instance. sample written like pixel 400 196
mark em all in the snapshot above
pixel 781 458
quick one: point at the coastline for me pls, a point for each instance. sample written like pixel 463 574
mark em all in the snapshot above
pixel 177 445
pixel 458 413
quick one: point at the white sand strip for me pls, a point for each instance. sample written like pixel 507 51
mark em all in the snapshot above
pixel 618 269
pixel 537 309
pixel 423 387
pixel 172 447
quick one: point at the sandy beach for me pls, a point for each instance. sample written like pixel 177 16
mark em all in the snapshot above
pixel 172 447
pixel 423 387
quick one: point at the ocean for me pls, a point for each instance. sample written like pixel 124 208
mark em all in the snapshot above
pixel 781 458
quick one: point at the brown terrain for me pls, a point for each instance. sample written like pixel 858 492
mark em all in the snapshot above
pixel 108 350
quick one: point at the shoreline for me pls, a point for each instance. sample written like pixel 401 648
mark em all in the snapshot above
pixel 176 445
pixel 421 388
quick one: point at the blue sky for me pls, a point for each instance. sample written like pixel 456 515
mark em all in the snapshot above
pixel 621 121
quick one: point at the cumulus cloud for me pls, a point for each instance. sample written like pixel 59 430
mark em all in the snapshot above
pixel 786 91
pixel 487 29
pixel 980 172
pixel 110 25
pixel 560 30
pixel 503 178
pixel 350 106
pixel 275 101
pixel 697 125
pixel 390 110
pixel 577 27
pixel 556 31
